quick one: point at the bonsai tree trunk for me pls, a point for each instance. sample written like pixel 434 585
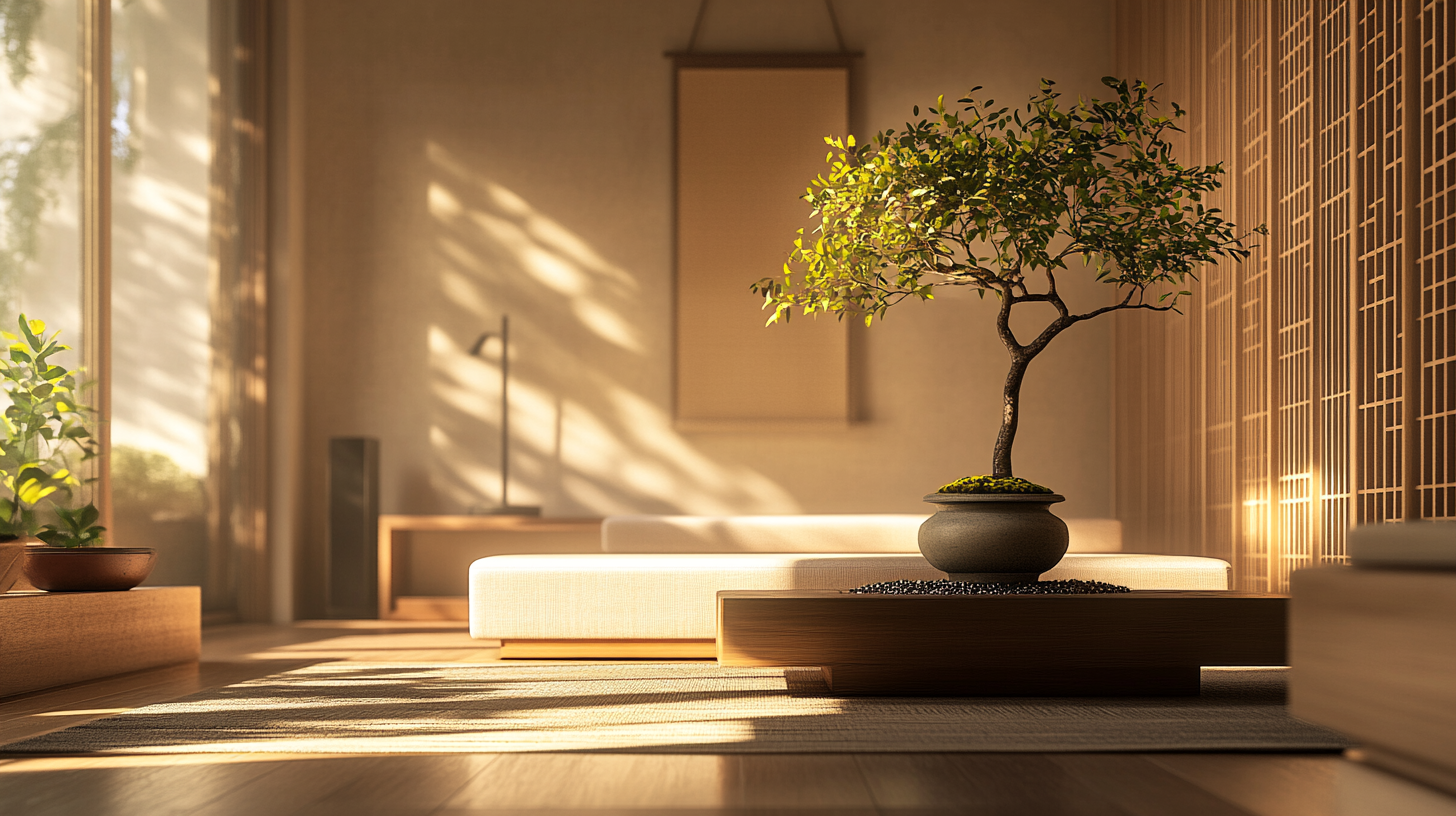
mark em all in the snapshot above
pixel 1010 412
pixel 1021 357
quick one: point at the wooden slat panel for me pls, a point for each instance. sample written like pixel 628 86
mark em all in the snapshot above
pixel 1333 157
pixel 1180 418
pixel 1379 261
pixel 1438 241
pixel 1251 196
pixel 1293 238
pixel 1221 301
pixel 1276 418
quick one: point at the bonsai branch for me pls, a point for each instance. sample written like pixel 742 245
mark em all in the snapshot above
pixel 1022 355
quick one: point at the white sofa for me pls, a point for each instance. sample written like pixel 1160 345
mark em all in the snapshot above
pixel 867 533
pixel 652 592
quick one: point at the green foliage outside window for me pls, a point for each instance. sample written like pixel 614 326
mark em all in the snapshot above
pixel 33 167
pixel 19 20
pixel 151 482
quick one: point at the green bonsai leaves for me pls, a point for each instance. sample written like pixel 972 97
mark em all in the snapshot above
pixel 1002 201
pixel 986 196
pixel 992 484
pixel 45 427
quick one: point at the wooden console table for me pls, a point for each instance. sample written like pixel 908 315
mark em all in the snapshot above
pixel 1126 644
pixel 54 638
pixel 393 557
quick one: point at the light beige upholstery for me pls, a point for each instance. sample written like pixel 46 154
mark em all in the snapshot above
pixel 806 534
pixel 1143 571
pixel 651 596
pixel 1094 535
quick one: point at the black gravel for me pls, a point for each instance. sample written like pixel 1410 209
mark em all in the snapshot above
pixel 968 588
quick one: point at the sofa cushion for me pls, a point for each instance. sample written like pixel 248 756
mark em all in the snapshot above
pixel 866 533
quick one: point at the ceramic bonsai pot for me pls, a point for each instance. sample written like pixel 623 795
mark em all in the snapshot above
pixel 88 569
pixel 993 537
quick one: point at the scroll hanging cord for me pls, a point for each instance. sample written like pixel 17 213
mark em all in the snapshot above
pixel 828 8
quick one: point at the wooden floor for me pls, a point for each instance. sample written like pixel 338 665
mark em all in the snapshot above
pixel 281 785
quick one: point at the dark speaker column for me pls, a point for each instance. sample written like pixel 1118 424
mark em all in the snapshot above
pixel 352 537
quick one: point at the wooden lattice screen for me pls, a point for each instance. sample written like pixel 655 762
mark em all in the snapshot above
pixel 1438 241
pixel 1273 415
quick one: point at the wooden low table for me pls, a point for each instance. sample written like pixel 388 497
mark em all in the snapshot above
pixel 1126 644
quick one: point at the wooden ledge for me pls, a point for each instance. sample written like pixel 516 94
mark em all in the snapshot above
pixel 55 638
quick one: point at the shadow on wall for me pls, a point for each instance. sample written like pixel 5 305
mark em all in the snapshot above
pixel 582 439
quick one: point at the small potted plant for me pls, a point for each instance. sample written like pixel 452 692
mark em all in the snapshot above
pixel 1004 202
pixel 45 437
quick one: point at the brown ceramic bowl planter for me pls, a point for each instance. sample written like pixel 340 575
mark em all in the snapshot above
pixel 88 569
pixel 993 537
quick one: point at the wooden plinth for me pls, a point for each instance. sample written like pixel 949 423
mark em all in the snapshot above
pixel 1374 656
pixel 1138 643
pixel 51 639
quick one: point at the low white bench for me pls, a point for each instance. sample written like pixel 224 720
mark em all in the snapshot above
pixel 653 593
pixel 864 533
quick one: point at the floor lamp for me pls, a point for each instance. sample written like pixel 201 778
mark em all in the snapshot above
pixel 505 508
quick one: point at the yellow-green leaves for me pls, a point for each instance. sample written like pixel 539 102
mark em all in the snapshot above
pixel 986 196
pixel 77 528
pixel 1000 201
pixel 45 430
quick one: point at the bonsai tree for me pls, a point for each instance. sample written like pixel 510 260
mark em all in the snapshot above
pixel 1004 202
pixel 44 428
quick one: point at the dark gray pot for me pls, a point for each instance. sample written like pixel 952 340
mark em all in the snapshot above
pixel 993 538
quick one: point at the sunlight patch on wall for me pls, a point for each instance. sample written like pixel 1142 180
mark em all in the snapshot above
pixel 165 199
pixel 607 324
pixel 555 272
pixel 49 92
pixel 161 369
pixel 443 204
pixel 470 386
pixel 195 145
pixel 458 288
pixel 467 482
pixel 582 432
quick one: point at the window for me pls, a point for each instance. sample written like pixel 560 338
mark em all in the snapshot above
pixel 119 225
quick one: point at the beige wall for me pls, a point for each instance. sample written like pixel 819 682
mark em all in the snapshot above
pixel 464 158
